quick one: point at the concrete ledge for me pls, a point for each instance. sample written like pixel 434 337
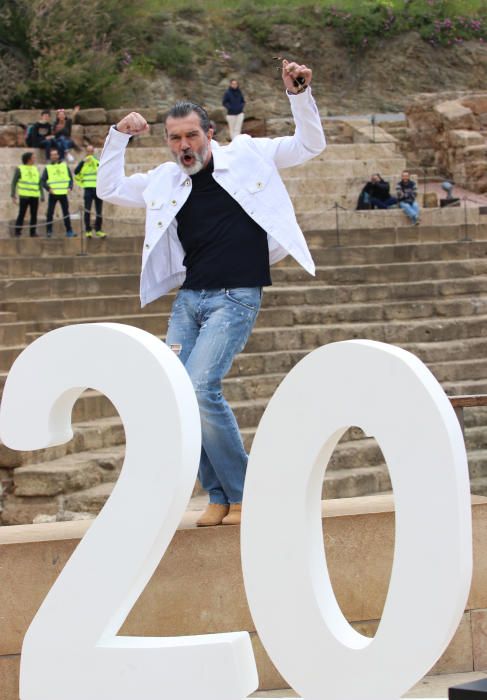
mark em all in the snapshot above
pixel 198 588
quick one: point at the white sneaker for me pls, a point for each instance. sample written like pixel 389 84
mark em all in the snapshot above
pixel 69 158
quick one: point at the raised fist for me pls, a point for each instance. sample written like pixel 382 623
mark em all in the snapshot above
pixel 133 124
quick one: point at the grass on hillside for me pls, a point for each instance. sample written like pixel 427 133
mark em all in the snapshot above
pixel 452 7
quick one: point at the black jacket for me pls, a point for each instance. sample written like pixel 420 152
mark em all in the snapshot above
pixel 233 100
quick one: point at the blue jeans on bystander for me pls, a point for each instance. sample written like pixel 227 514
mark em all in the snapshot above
pixel 207 328
pixel 411 210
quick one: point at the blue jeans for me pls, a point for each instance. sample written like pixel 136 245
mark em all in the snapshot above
pixel 207 329
pixel 411 210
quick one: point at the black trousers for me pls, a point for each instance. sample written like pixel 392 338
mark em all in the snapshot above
pixel 89 198
pixel 51 205
pixel 25 203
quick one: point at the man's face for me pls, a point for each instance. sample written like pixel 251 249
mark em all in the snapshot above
pixel 90 150
pixel 31 160
pixel 45 117
pixel 190 146
pixel 60 114
pixel 405 176
pixel 233 84
pixel 54 155
pixel 374 178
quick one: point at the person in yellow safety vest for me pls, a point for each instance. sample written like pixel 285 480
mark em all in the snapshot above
pixel 85 176
pixel 58 181
pixel 26 184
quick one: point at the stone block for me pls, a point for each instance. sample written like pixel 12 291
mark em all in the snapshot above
pixel 3 118
pixel 458 657
pixel 9 136
pixel 256 109
pixel 95 134
pixel 96 115
pixel 461 138
pixel 476 103
pixel 115 115
pixel 218 115
pixel 9 677
pixel 479 639
pixel 20 511
pixel 455 116
pixel 23 116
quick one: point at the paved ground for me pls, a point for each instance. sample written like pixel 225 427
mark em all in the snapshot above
pixel 429 687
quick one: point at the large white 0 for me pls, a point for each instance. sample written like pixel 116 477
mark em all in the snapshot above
pixel 71 651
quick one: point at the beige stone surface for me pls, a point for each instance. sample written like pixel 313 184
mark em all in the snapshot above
pixel 479 638
pixel 458 656
pixel 9 677
pixel 269 676
pixel 95 115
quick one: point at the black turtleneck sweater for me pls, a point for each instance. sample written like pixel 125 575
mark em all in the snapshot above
pixel 224 246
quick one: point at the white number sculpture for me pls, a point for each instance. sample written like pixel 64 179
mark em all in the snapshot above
pixel 390 394
pixel 71 650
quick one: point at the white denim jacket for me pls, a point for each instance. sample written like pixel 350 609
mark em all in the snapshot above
pixel 247 169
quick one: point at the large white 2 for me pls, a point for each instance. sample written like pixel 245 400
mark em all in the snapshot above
pixel 71 650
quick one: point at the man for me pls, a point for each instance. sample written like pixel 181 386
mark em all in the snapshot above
pixel 41 135
pixel 233 101
pixel 407 191
pixel 58 181
pixel 26 183
pixel 216 219
pixel 376 194
pixel 85 176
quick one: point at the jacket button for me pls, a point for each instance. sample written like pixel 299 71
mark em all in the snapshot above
pixel 259 185
pixel 173 202
pixel 159 223
pixel 153 204
pixel 187 182
pixel 147 245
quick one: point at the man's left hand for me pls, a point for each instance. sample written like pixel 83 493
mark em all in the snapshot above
pixel 291 71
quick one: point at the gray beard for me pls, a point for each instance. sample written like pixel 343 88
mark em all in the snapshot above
pixel 199 165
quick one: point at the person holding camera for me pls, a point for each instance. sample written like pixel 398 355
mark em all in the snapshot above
pixel 406 192
pixel 217 218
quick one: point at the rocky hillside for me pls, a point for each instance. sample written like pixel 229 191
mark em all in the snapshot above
pixel 369 60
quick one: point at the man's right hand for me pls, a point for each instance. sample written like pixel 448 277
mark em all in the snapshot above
pixel 133 124
pixel 14 199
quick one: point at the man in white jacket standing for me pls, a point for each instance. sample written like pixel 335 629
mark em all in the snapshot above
pixel 217 218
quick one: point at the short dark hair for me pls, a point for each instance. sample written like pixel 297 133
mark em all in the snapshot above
pixel 26 157
pixel 183 108
pixel 45 111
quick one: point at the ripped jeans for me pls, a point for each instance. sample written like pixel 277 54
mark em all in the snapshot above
pixel 207 329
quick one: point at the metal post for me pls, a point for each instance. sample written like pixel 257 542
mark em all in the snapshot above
pixel 372 121
pixel 82 250
pixel 338 244
pixel 465 220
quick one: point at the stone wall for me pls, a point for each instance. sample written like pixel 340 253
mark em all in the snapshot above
pixel 91 125
pixel 449 131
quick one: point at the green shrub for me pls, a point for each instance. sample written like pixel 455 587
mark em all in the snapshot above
pixel 171 53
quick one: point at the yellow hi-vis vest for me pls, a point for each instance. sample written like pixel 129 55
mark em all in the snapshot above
pixel 58 178
pixel 29 183
pixel 87 175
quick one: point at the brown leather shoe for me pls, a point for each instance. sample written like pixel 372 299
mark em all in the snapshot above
pixel 213 515
pixel 234 515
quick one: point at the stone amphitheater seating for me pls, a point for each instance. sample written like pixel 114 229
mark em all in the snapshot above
pixel 423 288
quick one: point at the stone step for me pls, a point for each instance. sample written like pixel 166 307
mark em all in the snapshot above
pixel 12 334
pixel 88 436
pixel 102 265
pixel 338 170
pixel 70 473
pixel 379 274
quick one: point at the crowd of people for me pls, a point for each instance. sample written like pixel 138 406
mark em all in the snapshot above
pixel 29 185
pixel 376 194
